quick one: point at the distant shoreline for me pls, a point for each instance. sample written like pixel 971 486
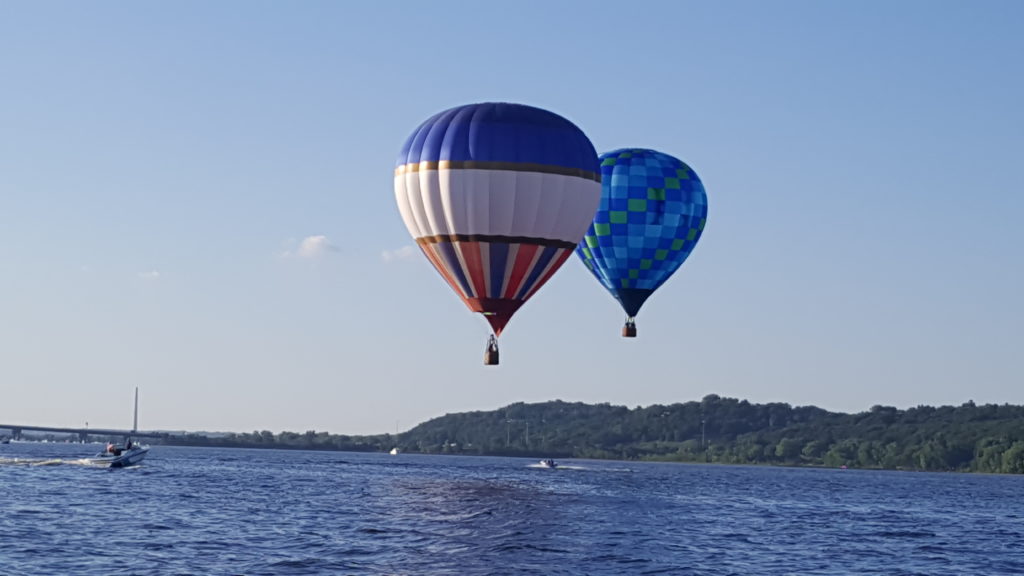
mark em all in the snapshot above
pixel 968 438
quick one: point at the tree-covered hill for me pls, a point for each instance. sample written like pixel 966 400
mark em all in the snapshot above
pixel 987 438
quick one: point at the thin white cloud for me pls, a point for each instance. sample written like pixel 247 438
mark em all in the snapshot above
pixel 403 253
pixel 310 247
pixel 313 246
pixel 151 275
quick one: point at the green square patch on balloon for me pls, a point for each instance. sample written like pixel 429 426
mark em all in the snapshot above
pixel 637 205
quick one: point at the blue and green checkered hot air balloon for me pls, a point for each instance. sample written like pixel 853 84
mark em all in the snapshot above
pixel 652 213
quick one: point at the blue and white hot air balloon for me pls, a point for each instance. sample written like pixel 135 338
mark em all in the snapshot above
pixel 497 196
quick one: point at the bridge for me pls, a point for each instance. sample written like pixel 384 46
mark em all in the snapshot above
pixel 83 433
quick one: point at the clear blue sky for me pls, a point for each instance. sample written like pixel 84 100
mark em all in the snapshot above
pixel 196 199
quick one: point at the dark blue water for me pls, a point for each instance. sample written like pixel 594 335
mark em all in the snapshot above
pixel 219 511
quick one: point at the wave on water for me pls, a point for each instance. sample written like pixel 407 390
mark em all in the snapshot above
pixel 30 461
pixel 540 466
pixel 52 462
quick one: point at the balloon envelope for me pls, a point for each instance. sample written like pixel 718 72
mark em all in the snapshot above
pixel 652 213
pixel 497 196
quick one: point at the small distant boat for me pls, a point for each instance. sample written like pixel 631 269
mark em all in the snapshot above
pixel 394 451
pixel 548 463
pixel 122 456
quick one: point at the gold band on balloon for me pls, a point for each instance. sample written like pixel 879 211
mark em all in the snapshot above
pixel 496 239
pixel 508 166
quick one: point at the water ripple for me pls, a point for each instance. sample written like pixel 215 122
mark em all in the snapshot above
pixel 251 512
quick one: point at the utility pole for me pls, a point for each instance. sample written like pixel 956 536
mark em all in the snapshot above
pixel 707 453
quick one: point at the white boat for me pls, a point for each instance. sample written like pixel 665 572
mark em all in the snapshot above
pixel 394 451
pixel 116 457
pixel 548 463
pixel 122 456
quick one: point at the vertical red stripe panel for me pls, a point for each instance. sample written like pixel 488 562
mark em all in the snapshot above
pixel 524 258
pixel 473 266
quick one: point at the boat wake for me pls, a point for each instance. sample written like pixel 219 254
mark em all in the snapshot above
pixel 558 467
pixel 31 461
pixel 52 462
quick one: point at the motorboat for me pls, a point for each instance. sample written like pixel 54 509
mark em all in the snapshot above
pixel 548 463
pixel 122 456
pixel 394 451
pixel 118 457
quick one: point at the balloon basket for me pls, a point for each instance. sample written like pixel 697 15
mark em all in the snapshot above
pixel 491 354
pixel 629 330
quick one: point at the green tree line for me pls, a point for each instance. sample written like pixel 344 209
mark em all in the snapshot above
pixel 988 438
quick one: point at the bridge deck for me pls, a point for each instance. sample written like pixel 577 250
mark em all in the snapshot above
pixel 85 431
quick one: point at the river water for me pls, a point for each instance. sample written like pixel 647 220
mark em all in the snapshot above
pixel 216 511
